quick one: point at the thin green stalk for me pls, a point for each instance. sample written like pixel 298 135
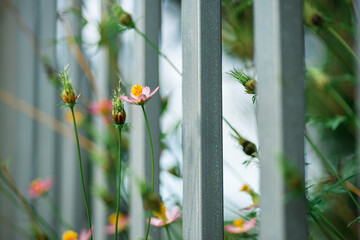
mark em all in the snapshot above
pixel 152 168
pixel 324 228
pixel 119 185
pixel 14 227
pixel 157 50
pixel 329 223
pixel 342 41
pixel 81 172
pixel 8 193
pixel 168 232
pixel 344 105
pixel 57 212
pixel 332 170
pixel 27 209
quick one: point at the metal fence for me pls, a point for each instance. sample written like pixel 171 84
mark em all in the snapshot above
pixel 279 49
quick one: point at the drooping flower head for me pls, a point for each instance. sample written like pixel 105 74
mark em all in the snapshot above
pixel 123 222
pixel 139 95
pixel 165 217
pixel 72 235
pixel 68 93
pixel 241 226
pixel 118 111
pixel 38 187
pixel 255 196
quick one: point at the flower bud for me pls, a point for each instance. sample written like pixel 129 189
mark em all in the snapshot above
pixel 250 86
pixel 125 19
pixel 118 112
pixel 119 117
pixel 68 93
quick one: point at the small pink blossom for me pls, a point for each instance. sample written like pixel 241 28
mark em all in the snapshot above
pixel 102 107
pixel 38 187
pixel 171 216
pixel 241 226
pixel 123 222
pixel 85 234
pixel 139 95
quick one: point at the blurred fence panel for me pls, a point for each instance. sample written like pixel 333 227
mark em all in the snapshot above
pixel 279 45
pixel 202 120
pixel 35 139
pixel 146 72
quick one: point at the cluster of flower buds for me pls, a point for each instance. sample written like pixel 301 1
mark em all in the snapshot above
pixel 68 93
pixel 118 111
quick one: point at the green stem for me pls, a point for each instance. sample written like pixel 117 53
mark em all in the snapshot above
pixel 328 223
pixel 344 105
pixel 157 50
pixel 152 168
pixel 329 234
pixel 81 172
pixel 168 232
pixel 342 41
pixel 14 227
pixel 57 212
pixel 119 185
pixel 332 170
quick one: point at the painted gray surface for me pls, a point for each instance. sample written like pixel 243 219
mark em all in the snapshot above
pixel 37 151
pixel 279 46
pixel 202 120
pixel 146 72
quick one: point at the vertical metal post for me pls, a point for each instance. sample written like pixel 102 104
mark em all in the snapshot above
pixel 279 46
pixel 202 120
pixel 146 69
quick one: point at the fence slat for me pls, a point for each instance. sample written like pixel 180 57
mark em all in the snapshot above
pixel 202 120
pixel 279 45
pixel 46 97
pixel 146 69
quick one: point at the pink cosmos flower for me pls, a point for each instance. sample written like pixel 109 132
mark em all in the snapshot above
pixel 241 226
pixel 38 187
pixel 85 234
pixel 139 95
pixel 123 222
pixel 102 107
pixel 167 218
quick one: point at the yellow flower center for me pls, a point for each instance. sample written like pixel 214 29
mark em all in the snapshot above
pixel 162 213
pixel 36 186
pixel 137 90
pixel 238 222
pixel 112 218
pixel 70 235
pixel 245 188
